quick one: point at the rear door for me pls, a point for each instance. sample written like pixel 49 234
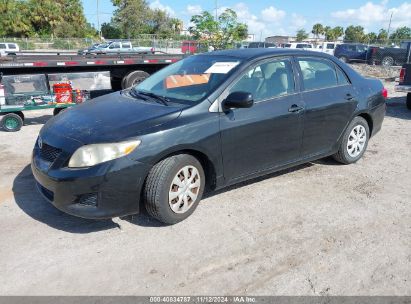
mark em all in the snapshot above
pixel 269 133
pixel 330 101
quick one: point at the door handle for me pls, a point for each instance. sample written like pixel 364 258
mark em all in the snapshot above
pixel 295 109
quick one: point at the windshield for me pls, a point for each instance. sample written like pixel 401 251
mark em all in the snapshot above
pixel 190 80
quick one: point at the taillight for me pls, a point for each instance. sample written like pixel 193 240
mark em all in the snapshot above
pixel 402 75
pixel 385 93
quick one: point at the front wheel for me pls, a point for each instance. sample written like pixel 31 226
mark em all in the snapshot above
pixel 409 101
pixel 12 122
pixel 354 142
pixel 343 59
pixel 174 188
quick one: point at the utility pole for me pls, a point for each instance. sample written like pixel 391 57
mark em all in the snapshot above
pixel 389 27
pixel 98 19
pixel 216 10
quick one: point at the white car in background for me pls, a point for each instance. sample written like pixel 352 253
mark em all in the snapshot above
pixel 327 47
pixel 8 48
pixel 299 45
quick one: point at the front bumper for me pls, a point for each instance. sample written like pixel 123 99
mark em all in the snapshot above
pixel 105 191
pixel 403 88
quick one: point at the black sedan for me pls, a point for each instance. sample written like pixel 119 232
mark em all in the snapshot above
pixel 201 124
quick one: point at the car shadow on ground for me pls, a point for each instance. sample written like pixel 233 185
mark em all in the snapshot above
pixel 34 205
pixel 40 120
pixel 396 107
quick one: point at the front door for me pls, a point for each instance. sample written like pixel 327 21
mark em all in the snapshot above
pixel 269 133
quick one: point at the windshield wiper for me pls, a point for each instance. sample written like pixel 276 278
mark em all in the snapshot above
pixel 163 100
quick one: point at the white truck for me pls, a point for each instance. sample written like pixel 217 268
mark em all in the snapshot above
pixel 299 45
pixel 327 47
pixel 8 48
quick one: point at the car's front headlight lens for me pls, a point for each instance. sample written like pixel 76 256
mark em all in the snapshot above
pixel 91 155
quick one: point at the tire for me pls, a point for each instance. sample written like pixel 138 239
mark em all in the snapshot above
pixel 343 59
pixel 387 61
pixel 133 79
pixel 344 155
pixel 409 101
pixel 160 184
pixel 57 111
pixel 11 122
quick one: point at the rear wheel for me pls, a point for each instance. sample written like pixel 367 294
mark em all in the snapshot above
pixel 133 79
pixel 174 188
pixel 387 61
pixel 11 122
pixel 354 142
pixel 409 101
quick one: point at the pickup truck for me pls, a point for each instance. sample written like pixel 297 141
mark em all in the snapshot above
pixel 120 47
pixel 389 56
pixel 405 83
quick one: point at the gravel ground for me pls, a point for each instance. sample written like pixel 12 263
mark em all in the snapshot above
pixel 318 229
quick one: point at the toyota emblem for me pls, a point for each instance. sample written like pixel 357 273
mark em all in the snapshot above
pixel 40 143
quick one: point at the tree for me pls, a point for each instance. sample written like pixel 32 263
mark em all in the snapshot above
pixel 14 20
pixel 135 17
pixel 220 33
pixel 382 35
pixel 354 34
pixel 301 35
pixel 74 23
pixel 338 32
pixel 109 31
pixel 317 30
pixel 371 37
pixel 401 33
pixel 58 18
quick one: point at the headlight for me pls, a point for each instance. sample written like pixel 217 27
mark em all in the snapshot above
pixel 91 155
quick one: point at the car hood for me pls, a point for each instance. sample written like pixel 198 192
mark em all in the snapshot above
pixel 110 118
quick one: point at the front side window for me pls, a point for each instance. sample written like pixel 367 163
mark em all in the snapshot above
pixel 2 45
pixel 330 46
pixel 361 48
pixel 115 45
pixel 12 46
pixel 191 80
pixel 317 73
pixel 268 80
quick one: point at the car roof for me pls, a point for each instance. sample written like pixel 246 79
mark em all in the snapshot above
pixel 254 53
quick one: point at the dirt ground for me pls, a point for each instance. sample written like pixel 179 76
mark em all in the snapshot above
pixel 318 229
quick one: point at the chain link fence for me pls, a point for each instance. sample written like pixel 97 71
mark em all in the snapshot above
pixel 172 46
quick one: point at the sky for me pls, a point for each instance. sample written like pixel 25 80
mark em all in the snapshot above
pixel 274 17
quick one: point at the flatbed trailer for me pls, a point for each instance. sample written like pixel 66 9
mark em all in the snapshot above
pixel 126 69
pixel 102 72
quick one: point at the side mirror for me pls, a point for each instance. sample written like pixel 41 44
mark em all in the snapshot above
pixel 238 100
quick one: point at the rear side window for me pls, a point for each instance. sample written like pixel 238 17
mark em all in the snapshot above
pixel 317 73
pixel 2 45
pixel 330 46
pixel 12 46
pixel 126 46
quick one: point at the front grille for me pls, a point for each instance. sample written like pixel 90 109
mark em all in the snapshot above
pixel 49 153
pixel 89 199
